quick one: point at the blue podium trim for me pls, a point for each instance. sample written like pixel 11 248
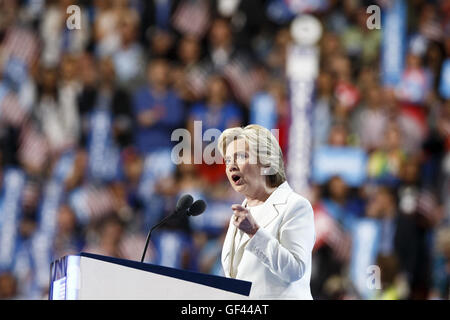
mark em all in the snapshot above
pixel 227 284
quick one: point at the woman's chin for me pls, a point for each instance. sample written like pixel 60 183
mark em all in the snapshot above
pixel 238 187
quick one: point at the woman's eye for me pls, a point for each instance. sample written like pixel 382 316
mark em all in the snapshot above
pixel 239 157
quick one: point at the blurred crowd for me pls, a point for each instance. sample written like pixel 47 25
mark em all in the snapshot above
pixel 87 116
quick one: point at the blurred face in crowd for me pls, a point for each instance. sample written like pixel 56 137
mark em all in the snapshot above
pixel 217 90
pixel 69 68
pixel 434 56
pixel 283 38
pixel 443 242
pixel 342 67
pixel 368 75
pixel 447 45
pixel 338 136
pixel 77 177
pixel 189 50
pixel 102 5
pixel 361 19
pixel 427 13
pixel 8 13
pixel 27 226
pixel 381 204
pixel 66 220
pixel 88 70
pixel 389 99
pixel 8 286
pixel 120 4
pixel 393 137
pixel 111 233
pixel 107 70
pixel 30 197
pixel 187 169
pixel 329 43
pixel 413 61
pixel 220 34
pixel 390 266
pixel 410 171
pixel 65 3
pixel 48 80
pixel 161 42
pixel 325 84
pixel 158 73
pixel 338 189
pixel 444 119
pixel 133 168
pixel 127 28
pixel 349 6
pixel 244 177
pixel 278 91
pixel 374 97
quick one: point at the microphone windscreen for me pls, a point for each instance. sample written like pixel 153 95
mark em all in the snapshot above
pixel 197 208
pixel 184 203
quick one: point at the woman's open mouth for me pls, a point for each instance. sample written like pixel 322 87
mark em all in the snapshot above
pixel 236 179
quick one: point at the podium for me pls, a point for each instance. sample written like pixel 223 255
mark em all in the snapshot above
pixel 89 276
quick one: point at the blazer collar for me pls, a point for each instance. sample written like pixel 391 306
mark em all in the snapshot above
pixel 271 205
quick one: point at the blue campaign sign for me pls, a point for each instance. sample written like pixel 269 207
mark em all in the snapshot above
pixel 263 110
pixel 393 46
pixel 347 162
pixel 366 235
pixel 444 83
pixel 10 209
pixel 103 153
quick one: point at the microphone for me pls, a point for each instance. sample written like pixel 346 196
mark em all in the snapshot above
pixel 183 204
pixel 196 208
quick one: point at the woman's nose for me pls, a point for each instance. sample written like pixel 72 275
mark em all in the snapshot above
pixel 232 166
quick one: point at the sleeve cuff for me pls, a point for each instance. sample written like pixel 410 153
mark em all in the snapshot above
pixel 259 243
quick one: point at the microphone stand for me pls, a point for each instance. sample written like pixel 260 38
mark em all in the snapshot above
pixel 153 228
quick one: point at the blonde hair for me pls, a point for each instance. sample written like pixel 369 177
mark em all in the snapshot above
pixel 264 145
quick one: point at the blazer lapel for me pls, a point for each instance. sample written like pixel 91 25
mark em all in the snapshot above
pixel 272 208
pixel 228 246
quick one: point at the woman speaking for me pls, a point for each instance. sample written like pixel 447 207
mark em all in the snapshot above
pixel 271 234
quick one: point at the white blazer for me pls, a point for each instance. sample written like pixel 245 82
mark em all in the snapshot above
pixel 277 259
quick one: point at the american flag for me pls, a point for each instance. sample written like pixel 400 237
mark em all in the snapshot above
pixel 432 30
pixel 92 202
pixel 33 147
pixel 245 81
pixel 20 43
pixel 329 232
pixel 132 247
pixel 100 201
pixel 192 17
pixel 11 111
pixel 347 94
pixel 428 206
pixel 196 79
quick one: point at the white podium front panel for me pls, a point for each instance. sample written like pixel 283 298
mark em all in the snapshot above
pixel 89 276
